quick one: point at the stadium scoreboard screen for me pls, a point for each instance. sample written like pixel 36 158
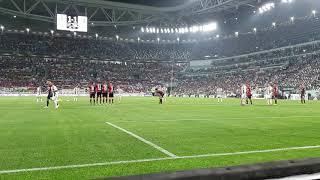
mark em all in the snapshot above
pixel 72 23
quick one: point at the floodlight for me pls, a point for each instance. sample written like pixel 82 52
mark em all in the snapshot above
pixel 292 18
pixel 255 30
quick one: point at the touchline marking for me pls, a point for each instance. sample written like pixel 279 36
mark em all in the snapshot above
pixel 154 160
pixel 143 140
pixel 210 119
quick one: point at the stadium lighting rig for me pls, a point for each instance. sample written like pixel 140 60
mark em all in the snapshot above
pixel 286 1
pixel 292 19
pixel 266 7
pixel 2 28
pixel 314 12
pixel 181 30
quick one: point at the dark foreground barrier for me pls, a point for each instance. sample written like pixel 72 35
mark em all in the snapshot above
pixel 245 172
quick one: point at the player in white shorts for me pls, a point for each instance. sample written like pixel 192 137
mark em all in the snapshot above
pixel 268 94
pixel 76 93
pixel 219 94
pixel 119 93
pixel 243 94
pixel 39 92
pixel 52 94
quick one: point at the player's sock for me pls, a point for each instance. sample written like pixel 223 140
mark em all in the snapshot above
pixel 90 101
pixel 56 105
pixel 160 101
pixel 47 102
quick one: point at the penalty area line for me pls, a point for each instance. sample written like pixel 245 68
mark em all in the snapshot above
pixel 143 140
pixel 211 119
pixel 155 159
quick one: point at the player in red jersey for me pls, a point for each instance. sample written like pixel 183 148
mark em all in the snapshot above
pixel 110 93
pixel 160 94
pixel 92 93
pixel 303 94
pixel 104 90
pixel 249 94
pixel 275 92
pixel 99 92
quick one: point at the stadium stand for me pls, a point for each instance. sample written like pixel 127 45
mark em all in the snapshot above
pixel 66 61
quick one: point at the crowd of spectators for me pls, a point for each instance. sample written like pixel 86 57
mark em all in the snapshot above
pixel 131 77
pixel 79 47
pixel 288 71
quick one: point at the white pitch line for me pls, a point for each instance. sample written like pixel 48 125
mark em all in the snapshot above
pixel 143 140
pixel 154 159
pixel 210 119
pixel 82 165
pixel 251 152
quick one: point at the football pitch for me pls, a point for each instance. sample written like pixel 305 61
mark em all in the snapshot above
pixel 138 136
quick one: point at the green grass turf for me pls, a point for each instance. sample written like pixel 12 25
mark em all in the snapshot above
pixel 32 137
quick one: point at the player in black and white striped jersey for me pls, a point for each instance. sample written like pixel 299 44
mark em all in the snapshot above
pixel 52 94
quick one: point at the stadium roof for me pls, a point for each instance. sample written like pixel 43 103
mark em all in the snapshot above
pixel 157 3
pixel 123 12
